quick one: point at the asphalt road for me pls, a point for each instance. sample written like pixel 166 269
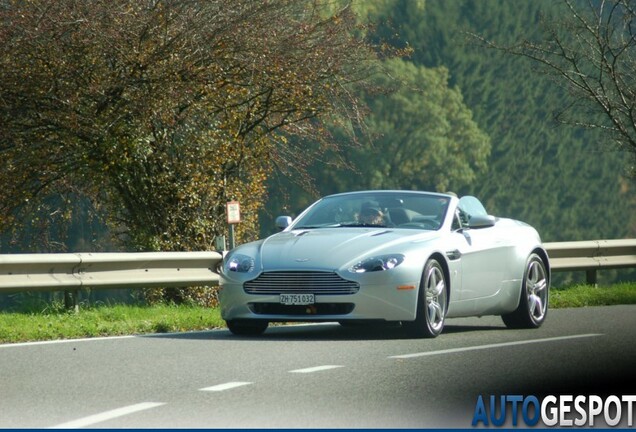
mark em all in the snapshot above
pixel 314 376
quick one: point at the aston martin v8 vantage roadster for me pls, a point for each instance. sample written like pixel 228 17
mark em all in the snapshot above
pixel 413 258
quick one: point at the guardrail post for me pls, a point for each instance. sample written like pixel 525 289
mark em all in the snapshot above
pixel 219 243
pixel 71 300
pixel 590 277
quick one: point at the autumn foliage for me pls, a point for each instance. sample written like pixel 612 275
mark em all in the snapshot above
pixel 153 114
pixel 158 112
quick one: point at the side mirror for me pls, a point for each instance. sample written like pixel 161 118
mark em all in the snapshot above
pixel 481 221
pixel 283 222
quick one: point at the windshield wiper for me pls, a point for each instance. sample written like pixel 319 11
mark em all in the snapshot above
pixel 343 225
pixel 318 226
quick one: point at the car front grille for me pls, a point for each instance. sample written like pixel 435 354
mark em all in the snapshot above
pixel 316 282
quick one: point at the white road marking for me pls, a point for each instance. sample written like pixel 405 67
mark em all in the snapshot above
pixel 108 415
pixel 315 369
pixel 226 386
pixel 144 335
pixel 490 346
pixel 64 341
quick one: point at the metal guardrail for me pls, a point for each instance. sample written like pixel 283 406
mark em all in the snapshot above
pixel 71 272
pixel 51 272
pixel 591 256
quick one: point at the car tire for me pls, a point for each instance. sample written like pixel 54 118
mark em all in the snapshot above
pixel 247 327
pixel 533 304
pixel 432 303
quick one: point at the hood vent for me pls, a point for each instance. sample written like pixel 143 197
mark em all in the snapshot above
pixel 381 233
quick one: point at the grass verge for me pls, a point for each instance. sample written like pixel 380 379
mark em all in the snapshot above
pixel 587 295
pixel 106 321
pixel 117 320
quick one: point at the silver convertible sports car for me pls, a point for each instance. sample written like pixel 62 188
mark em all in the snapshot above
pixel 406 257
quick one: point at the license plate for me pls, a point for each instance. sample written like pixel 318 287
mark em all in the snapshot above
pixel 297 299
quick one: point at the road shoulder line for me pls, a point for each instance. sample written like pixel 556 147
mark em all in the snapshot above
pixel 491 346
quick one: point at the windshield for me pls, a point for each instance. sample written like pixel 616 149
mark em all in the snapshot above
pixel 413 210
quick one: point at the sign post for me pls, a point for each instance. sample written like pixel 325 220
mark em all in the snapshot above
pixel 233 210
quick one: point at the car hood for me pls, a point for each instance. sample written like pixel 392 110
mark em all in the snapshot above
pixel 332 248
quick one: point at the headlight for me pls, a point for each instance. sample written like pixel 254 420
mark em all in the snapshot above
pixel 240 263
pixel 378 263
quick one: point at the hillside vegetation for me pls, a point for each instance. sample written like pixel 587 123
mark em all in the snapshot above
pixel 482 122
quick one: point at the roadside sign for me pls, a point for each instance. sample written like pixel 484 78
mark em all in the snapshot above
pixel 233 212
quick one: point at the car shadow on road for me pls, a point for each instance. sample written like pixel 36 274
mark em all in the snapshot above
pixel 324 332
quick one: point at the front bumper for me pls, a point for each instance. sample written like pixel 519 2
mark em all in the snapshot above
pixel 388 296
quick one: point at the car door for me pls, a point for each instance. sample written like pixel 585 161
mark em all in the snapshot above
pixel 484 251
pixel 483 260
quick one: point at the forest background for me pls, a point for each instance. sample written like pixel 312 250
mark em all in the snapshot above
pixel 454 116
pixel 570 183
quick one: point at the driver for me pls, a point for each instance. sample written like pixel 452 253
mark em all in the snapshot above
pixel 371 215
